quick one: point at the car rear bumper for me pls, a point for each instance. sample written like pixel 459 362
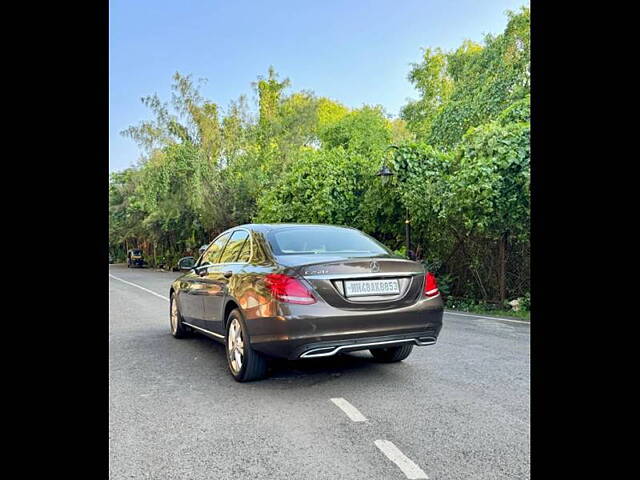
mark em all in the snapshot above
pixel 306 332
pixel 330 348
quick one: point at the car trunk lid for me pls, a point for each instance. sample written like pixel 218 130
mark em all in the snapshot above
pixel 328 275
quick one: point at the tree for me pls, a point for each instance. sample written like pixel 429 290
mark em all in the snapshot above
pixel 126 210
pixel 432 79
pixel 365 131
pixel 491 187
pixel 323 186
pixel 270 92
pixel 471 85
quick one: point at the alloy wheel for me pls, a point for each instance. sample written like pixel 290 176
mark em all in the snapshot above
pixel 174 316
pixel 235 346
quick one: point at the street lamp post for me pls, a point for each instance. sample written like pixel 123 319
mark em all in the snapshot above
pixel 385 174
pixel 407 233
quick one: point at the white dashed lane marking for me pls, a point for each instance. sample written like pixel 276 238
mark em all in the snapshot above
pixel 352 412
pixel 140 287
pixel 410 469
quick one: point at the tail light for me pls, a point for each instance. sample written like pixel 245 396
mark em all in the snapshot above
pixel 288 289
pixel 430 285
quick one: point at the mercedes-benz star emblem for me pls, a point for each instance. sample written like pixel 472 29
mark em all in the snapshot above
pixel 375 268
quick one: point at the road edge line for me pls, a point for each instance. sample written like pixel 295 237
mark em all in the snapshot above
pixel 488 318
pixel 140 287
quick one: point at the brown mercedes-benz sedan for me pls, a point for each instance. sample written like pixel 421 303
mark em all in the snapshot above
pixel 304 291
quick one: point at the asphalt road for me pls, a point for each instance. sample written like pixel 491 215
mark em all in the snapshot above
pixel 455 410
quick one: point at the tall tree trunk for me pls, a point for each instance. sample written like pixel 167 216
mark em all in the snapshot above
pixel 502 269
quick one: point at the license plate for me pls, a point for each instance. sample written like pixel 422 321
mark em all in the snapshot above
pixel 363 288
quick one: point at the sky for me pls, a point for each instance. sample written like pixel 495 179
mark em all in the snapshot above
pixel 353 51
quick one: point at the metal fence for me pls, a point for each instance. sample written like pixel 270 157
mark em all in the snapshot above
pixel 473 271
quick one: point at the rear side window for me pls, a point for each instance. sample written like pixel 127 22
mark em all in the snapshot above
pixel 213 253
pixel 234 246
pixel 245 253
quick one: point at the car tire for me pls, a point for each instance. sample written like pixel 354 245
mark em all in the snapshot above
pixel 392 354
pixel 178 330
pixel 252 364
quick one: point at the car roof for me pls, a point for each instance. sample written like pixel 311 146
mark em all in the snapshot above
pixel 266 227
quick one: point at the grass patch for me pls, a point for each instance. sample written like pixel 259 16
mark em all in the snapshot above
pixel 464 305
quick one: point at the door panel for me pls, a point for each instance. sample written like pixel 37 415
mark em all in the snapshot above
pixel 218 278
pixel 195 285
pixel 216 289
pixel 191 300
pixel 219 281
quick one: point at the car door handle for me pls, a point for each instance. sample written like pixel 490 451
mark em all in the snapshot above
pixel 227 274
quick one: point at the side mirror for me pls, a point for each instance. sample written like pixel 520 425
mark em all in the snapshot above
pixel 186 264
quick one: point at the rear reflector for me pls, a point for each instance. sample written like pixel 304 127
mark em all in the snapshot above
pixel 430 285
pixel 288 289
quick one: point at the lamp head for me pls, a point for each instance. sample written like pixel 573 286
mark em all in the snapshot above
pixel 385 174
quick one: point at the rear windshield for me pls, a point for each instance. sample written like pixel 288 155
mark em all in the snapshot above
pixel 322 240
pixel 136 252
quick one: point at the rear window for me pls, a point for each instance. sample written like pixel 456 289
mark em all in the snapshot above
pixel 323 240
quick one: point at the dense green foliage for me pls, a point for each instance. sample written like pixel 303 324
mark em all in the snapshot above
pixel 471 85
pixel 461 166
pixel 323 186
